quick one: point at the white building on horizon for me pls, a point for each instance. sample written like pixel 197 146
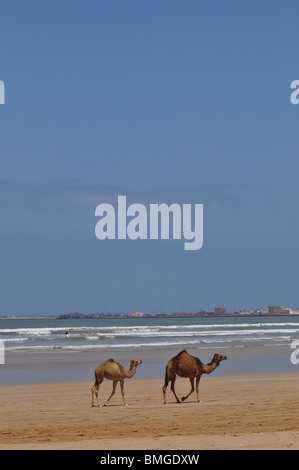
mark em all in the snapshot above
pixel 137 314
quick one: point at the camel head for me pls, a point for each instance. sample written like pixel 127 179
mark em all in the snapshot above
pixel 218 358
pixel 135 363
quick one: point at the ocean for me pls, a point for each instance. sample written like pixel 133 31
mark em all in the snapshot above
pixel 47 350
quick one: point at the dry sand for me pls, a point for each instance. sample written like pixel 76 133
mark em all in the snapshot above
pixel 236 412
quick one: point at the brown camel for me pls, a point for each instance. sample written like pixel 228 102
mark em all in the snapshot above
pixel 113 371
pixel 188 366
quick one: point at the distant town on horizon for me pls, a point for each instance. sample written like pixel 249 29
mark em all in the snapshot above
pixel 218 312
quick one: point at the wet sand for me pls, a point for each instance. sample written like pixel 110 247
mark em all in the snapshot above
pixel 236 412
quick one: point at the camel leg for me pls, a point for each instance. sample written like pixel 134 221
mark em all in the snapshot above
pixel 113 392
pixel 95 392
pixel 122 383
pixel 93 389
pixel 191 391
pixel 173 391
pixel 166 380
pixel 164 392
pixel 197 388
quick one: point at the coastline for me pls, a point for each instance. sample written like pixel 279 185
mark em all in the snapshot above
pixel 236 412
pixel 25 367
pixel 87 316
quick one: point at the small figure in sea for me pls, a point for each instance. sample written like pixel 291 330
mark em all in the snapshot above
pixel 67 333
pixel 188 366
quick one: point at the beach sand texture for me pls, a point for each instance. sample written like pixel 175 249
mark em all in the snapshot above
pixel 236 412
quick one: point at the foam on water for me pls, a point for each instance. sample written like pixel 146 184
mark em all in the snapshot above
pixel 94 335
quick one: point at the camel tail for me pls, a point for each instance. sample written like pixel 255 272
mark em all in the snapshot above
pixel 95 379
pixel 166 376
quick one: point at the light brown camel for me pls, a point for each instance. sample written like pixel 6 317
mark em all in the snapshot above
pixel 113 371
pixel 188 366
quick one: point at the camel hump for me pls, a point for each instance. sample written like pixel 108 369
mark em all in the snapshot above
pixel 181 352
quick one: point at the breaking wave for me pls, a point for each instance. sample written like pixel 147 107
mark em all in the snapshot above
pixel 88 335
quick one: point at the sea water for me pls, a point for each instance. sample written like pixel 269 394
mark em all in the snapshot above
pixel 38 350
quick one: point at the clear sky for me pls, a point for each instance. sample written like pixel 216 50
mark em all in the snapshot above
pixel 165 101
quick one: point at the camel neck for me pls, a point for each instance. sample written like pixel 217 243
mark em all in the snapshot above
pixel 131 372
pixel 208 368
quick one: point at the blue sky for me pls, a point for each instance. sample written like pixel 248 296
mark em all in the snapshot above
pixel 163 101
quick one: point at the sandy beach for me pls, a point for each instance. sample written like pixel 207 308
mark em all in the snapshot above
pixel 236 412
